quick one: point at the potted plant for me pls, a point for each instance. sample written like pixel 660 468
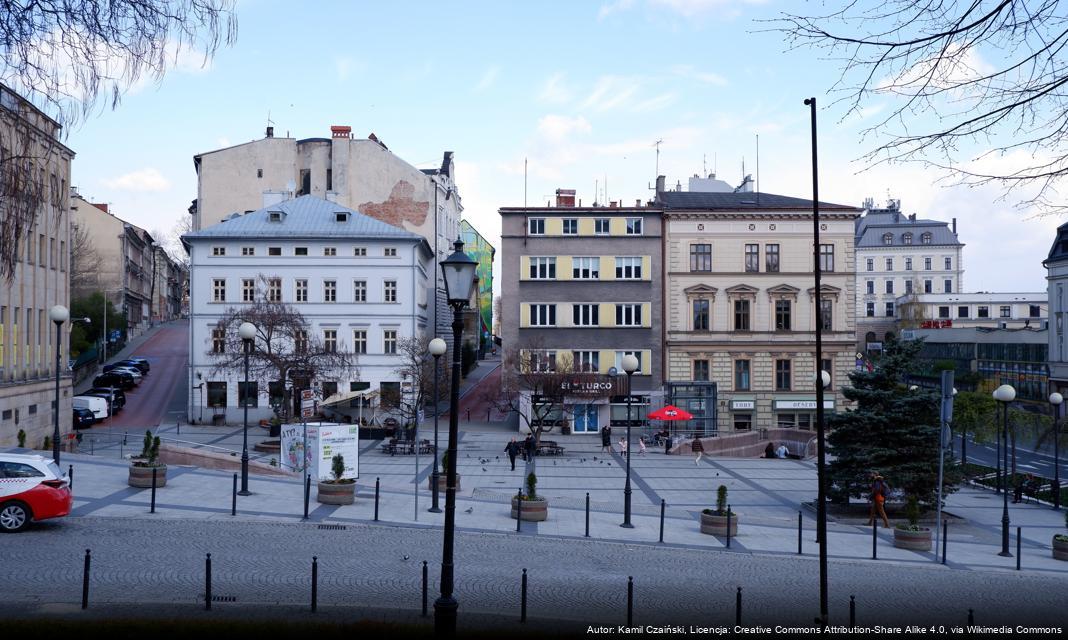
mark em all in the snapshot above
pixel 339 490
pixel 1060 542
pixel 22 438
pixel 565 427
pixel 142 466
pixel 535 507
pixel 275 428
pixel 912 535
pixel 443 473
pixel 714 522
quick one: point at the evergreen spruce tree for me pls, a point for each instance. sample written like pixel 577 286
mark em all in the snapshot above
pixel 892 430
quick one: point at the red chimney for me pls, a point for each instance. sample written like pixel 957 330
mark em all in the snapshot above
pixel 565 197
pixel 337 131
pixel 103 206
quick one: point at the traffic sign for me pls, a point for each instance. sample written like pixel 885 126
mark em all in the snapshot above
pixel 307 412
pixel 306 394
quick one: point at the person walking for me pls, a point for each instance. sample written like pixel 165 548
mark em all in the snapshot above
pixel 879 490
pixel 641 446
pixel 623 447
pixel 697 448
pixel 606 440
pixel 512 449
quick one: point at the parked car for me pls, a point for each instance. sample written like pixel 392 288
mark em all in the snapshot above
pixel 137 376
pixel 114 379
pixel 117 395
pixel 142 363
pixel 112 408
pixel 99 406
pixel 33 488
pixel 136 363
pixel 83 418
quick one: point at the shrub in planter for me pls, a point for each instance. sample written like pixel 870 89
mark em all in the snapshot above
pixel 22 438
pixel 912 535
pixel 714 521
pixel 443 480
pixel 535 507
pixel 142 466
pixel 1060 543
pixel 339 490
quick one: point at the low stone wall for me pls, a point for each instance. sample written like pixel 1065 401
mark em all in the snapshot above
pixel 751 444
pixel 207 459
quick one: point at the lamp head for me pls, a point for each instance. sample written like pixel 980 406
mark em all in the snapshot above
pixel 630 363
pixel 459 272
pixel 1055 398
pixel 1005 393
pixel 437 347
pixel 59 314
pixel 913 387
pixel 810 101
pixel 824 377
pixel 247 331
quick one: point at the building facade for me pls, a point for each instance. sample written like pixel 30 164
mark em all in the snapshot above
pixel 481 250
pixel 900 255
pixel 39 243
pixel 966 310
pixel 740 307
pixel 581 288
pixel 360 284
pixel 168 288
pixel 1056 264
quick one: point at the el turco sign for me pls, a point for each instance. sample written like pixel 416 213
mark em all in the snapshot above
pixel 600 386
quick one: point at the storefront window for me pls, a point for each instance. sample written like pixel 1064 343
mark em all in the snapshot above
pixel 743 421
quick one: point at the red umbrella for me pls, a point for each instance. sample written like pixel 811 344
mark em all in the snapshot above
pixel 670 413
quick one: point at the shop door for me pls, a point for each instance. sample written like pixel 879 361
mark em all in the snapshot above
pixel 585 418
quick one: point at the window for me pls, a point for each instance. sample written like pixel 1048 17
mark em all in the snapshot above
pixel 700 370
pixel 543 361
pixel 329 388
pixel 218 340
pixel 908 287
pixel 889 286
pixel 585 315
pixel 247 394
pixel 888 238
pixel 700 257
pixel 340 216
pixel 62 255
pixel 601 226
pixel 752 258
pixel 301 290
pixel 1034 311
pixel 743 422
pixel 218 251
pixel 543 315
pixel 771 257
pixel 274 251
pixel 543 268
pixel 1006 311
pixel 741 315
pixel 927 286
pixel 947 286
pixel 218 290
pixel 330 340
pixel 943 312
pixel 982 312
pixel 248 251
pixel 906 238
pixel 359 251
pixel 274 216
pixel 570 226
pixel 359 341
pixel 949 263
pixel 216 394
pixel 908 264
pixel 634 226
pixel 248 290
pixel 926 237
pixel 869 287
pixel 274 290
pixel 622 354
pixel 329 251
pixel 926 264
pixel 827 258
pixel 889 264
pixel 390 394
pixel 389 293
pixel 700 315
pixel 52 252
pixel 889 310
pixel 782 375
pixel 588 361
pixel 870 264
pixel 330 291
pixel 628 315
pixel 585 268
pixel 782 315
pixel 389 341
pixel 826 314
pixel 536 226
pixel 300 341
pixel 741 375
pixel 962 312
pixel 869 310
pixel 359 291
pixel 628 268
pixel 300 251
pixel 390 252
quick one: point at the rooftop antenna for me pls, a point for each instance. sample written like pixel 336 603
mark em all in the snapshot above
pixel 596 191
pixel 606 188
pixel 657 145
pixel 704 165
pixel 758 163
pixel 524 183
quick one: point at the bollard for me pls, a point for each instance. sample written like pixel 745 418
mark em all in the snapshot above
pixel 315 583
pixel 153 509
pixel 376 498
pixel 85 581
pixel 307 495
pixel 799 524
pixel 92 446
pixel 70 477
pixel 738 607
pixel 971 617
pixel 487 415
pixel 178 427
pixel 728 526
pixel 1017 548
pixel 630 601
pixel 519 510
pixel 207 583
pixel 662 504
pixel 945 534
pixel 587 514
pixel 852 611
pixel 523 598
pixel 426 580
pixel 233 498
pixel 874 533
pixel 469 415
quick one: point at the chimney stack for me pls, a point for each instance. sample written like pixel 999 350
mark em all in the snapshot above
pixel 613 204
pixel 565 198
pixel 338 131
pixel 660 184
pixel 954 226
pixel 270 132
pixel 638 203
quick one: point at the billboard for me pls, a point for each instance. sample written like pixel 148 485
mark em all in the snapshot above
pixel 482 252
pixel 324 441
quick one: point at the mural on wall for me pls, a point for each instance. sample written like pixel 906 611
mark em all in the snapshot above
pixel 482 251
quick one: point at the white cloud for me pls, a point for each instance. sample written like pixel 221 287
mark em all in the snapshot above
pixel 656 103
pixel 946 70
pixel 557 128
pixel 708 77
pixel 617 6
pixel 488 78
pixel 610 92
pixel 554 91
pixel 147 179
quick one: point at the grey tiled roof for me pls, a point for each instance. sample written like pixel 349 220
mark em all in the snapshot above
pixel 1059 251
pixel 683 200
pixel 872 234
pixel 305 217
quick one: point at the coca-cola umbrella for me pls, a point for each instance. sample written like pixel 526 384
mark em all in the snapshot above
pixel 670 413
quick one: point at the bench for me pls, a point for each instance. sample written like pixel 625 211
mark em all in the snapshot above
pixel 545 448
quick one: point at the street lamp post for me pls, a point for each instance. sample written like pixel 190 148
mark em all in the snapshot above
pixel 459 272
pixel 1056 399
pixel 247 331
pixel 1005 394
pixel 58 315
pixel 437 349
pixel 630 365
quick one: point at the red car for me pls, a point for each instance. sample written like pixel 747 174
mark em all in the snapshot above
pixel 32 488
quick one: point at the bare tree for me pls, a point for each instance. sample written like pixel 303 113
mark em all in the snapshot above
pixel 417 368
pixel 173 243
pixel 284 348
pixel 84 263
pixel 929 56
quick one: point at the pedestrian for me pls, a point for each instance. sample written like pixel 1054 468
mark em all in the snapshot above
pixel 782 451
pixel 623 447
pixel 769 451
pixel 528 447
pixel 697 448
pixel 879 490
pixel 641 446
pixel 512 449
pixel 606 440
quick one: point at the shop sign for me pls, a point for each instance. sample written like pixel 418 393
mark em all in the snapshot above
pixel 740 405
pixel 589 387
pixel 802 405
pixel 633 399
pixel 936 324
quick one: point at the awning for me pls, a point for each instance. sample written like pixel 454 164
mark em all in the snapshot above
pixel 345 396
pixel 670 413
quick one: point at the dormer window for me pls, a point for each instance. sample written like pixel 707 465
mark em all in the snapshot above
pixel 888 238
pixel 926 238
pixel 341 216
pixel 907 238
pixel 274 216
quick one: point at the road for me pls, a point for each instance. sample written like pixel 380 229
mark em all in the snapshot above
pixel 1027 461
pixel 163 391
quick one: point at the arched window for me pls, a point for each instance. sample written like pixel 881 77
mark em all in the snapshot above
pixel 889 336
pixel 907 238
pixel 888 238
pixel 926 237
pixel 869 337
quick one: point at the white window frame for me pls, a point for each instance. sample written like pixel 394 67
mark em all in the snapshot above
pixel 570 226
pixel 390 252
pixel 602 226
pixel 329 251
pixel 330 291
pixel 633 264
pixel 543 315
pixel 889 264
pixel 542 268
pixel 542 360
pixel 359 291
pixel 248 251
pixel 300 290
pixel 218 290
pixel 629 314
pixel 637 354
pixel 389 341
pixel 908 264
pixel 535 226
pixel 359 251
pixel 248 290
pixel 389 291
pixel 359 341
pixel 218 251
pixel 586 315
pixel 585 268
pixel 586 361
pixel 274 290
pixel 635 226
pixel 330 340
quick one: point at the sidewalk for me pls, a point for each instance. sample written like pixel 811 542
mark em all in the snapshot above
pixel 128 350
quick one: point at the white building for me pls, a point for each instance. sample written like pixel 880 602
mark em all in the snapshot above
pixel 1056 264
pixel 900 255
pixel 357 281
pixel 964 310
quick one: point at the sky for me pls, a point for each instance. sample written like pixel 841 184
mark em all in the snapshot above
pixel 579 91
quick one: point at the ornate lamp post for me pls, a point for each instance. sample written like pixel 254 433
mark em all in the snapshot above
pixel 630 365
pixel 1056 399
pixel 437 349
pixel 247 331
pixel 1005 394
pixel 58 314
pixel 459 272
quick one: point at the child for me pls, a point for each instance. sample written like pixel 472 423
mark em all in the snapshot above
pixel 623 447
pixel 641 447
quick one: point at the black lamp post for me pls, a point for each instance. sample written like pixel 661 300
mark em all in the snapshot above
pixel 1004 395
pixel 247 331
pixel 437 349
pixel 630 365
pixel 1056 399
pixel 459 272
pixel 58 314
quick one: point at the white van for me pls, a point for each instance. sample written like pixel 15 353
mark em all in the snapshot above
pixel 99 406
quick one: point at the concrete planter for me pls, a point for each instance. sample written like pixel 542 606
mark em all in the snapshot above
pixel 141 477
pixel 442 482
pixel 336 492
pixel 714 525
pixel 535 510
pixel 913 540
pixel 1060 549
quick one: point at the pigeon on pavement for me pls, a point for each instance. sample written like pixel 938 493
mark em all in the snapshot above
pixel 469 510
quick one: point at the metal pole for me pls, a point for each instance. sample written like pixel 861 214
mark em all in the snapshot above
pixel 523 598
pixel 85 581
pixel 728 526
pixel 307 494
pixel 626 490
pixel 55 413
pixel 1005 492
pixel 587 514
pixel 874 538
pixel 376 498
pixel 945 537
pixel 153 510
pixel 207 583
pixel 434 508
pixel 426 585
pixel 244 446
pixel 738 607
pixel 630 601
pixel 233 498
pixel 662 505
pixel 519 510
pixel 1018 554
pixel 415 445
pixel 446 605
pixel 997 439
pixel 1056 486
pixel 946 413
pixel 70 477
pixel 799 524
pixel 821 466
pixel 315 583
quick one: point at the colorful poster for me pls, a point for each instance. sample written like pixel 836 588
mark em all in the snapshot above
pixel 294 456
pixel 341 439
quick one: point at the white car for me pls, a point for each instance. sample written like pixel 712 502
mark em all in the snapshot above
pixel 133 371
pixel 99 406
pixel 32 488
